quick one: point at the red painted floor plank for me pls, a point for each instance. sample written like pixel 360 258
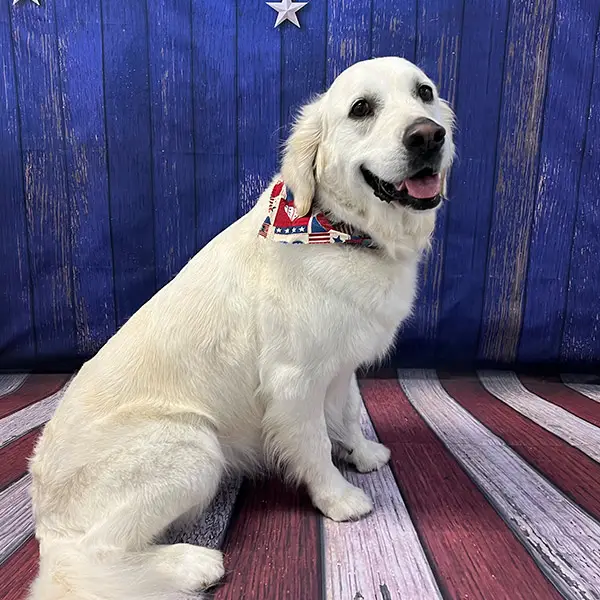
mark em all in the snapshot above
pixel 35 388
pixel 17 573
pixel 474 554
pixel 272 549
pixel 569 469
pixel 556 392
pixel 14 457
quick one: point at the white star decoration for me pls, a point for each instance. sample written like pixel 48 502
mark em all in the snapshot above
pixel 286 11
pixel 34 1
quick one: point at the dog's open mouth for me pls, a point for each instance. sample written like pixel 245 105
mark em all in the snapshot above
pixel 421 191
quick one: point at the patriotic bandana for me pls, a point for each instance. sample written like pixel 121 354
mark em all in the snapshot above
pixel 285 226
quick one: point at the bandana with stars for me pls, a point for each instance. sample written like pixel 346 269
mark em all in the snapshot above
pixel 283 224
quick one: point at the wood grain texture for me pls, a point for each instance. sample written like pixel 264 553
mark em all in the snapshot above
pixel 17 336
pixel 11 382
pixel 131 133
pixel 172 130
pixel 35 388
pixel 16 518
pixel 39 97
pixel 580 384
pixel 272 548
pixel 361 564
pixel 471 185
pixel 214 64
pixel 211 527
pixel 18 572
pixel 14 457
pixel 566 113
pixel 303 62
pixel 80 66
pixel 581 334
pixel 129 142
pixel 508 389
pixel 573 472
pixel 565 396
pixel 394 28
pixel 30 417
pixel 258 100
pixel 556 532
pixel 348 34
pixel 472 552
pixel 439 26
pixel 525 76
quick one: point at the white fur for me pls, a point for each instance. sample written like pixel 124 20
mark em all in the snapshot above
pixel 245 360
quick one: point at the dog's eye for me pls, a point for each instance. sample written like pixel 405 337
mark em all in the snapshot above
pixel 361 109
pixel 425 93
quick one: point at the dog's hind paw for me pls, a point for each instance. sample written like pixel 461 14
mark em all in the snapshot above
pixel 191 568
pixel 369 456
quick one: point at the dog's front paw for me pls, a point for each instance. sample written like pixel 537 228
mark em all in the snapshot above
pixel 369 456
pixel 347 504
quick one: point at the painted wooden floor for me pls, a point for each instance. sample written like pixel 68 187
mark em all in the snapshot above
pixel 492 493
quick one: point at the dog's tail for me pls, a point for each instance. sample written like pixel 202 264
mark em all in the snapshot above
pixel 74 575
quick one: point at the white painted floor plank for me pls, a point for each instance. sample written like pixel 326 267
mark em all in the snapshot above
pixel 11 383
pixel 507 387
pixel 391 564
pixel 30 417
pixel 16 518
pixel 581 384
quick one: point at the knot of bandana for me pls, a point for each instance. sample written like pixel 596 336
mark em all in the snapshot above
pixel 283 224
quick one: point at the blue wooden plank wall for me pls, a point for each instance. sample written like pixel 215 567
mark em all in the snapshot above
pixel 131 133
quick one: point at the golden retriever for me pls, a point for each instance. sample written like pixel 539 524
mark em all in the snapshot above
pixel 247 359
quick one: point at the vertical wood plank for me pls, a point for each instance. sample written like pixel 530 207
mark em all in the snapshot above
pixel 381 551
pixel 258 93
pixel 561 394
pixel 214 63
pixel 170 52
pixel 565 118
pixel 471 186
pixel 472 551
pixel 557 533
pixel 394 28
pixel 348 34
pixel 575 474
pixel 80 61
pixel 273 546
pixel 581 335
pixel 439 25
pixel 43 154
pixel 303 62
pixel 17 340
pixel 17 573
pixel 126 91
pixel 525 77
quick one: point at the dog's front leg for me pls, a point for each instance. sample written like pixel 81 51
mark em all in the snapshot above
pixel 295 433
pixel 343 405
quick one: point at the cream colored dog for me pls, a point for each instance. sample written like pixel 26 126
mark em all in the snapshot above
pixel 247 358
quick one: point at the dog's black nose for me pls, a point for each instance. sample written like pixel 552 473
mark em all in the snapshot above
pixel 424 136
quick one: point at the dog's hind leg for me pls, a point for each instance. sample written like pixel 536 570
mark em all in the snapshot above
pixel 162 470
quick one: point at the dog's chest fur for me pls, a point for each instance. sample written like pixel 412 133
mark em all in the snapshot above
pixel 350 300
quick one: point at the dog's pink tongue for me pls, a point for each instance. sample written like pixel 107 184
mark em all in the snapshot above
pixel 424 187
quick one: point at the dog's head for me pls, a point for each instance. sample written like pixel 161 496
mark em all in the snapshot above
pixel 375 149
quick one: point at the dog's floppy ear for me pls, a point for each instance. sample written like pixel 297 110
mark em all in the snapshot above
pixel 299 156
